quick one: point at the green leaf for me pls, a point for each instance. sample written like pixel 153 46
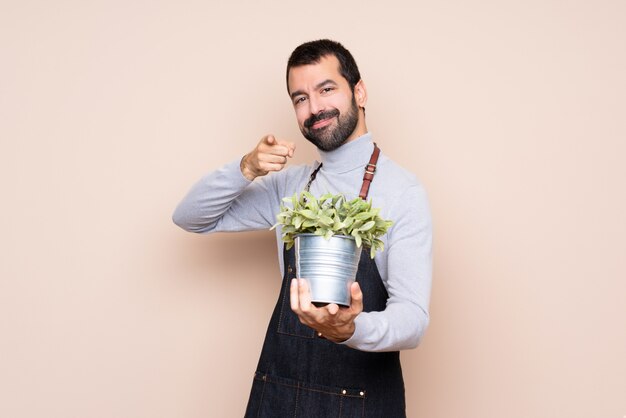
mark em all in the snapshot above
pixel 305 196
pixel 326 220
pixel 369 225
pixel 308 214
pixel 312 204
pixel 363 216
pixel 309 223
pixel 330 215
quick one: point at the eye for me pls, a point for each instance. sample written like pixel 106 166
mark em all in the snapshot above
pixel 299 100
pixel 327 89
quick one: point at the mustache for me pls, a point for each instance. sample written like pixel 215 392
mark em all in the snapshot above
pixel 321 116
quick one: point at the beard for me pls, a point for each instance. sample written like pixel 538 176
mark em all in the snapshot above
pixel 329 138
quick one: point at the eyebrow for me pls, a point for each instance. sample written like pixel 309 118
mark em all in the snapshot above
pixel 318 86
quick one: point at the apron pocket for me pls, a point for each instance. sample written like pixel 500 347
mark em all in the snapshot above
pixel 277 397
pixel 289 323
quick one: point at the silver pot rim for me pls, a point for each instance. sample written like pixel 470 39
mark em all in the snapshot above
pixel 310 234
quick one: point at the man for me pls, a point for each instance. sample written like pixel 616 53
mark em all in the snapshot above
pixel 328 361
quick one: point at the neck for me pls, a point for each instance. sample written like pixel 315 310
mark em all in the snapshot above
pixel 351 155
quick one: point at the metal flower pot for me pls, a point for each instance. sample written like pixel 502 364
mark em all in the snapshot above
pixel 329 266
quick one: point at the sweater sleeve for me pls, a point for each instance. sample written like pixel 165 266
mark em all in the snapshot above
pixel 225 201
pixel 408 255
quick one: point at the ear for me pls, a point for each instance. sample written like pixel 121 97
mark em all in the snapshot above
pixel 360 94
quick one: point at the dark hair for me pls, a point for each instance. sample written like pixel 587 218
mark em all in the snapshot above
pixel 312 52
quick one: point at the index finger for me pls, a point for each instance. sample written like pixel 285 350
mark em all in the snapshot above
pixel 269 139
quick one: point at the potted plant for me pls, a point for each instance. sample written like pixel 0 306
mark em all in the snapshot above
pixel 329 234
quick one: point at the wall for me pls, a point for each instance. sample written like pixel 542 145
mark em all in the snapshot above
pixel 511 113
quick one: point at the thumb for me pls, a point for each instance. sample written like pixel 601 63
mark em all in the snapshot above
pixel 357 297
pixel 270 140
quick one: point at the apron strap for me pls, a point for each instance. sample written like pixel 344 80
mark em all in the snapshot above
pixel 313 174
pixel 370 170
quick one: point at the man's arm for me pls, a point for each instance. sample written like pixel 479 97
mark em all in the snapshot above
pixel 228 199
pixel 409 272
pixel 409 266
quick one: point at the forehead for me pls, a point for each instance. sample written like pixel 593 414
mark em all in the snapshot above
pixel 307 76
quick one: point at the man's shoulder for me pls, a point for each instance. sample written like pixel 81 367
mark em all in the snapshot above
pixel 404 196
pixel 393 172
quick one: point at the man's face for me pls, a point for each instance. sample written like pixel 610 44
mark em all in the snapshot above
pixel 326 110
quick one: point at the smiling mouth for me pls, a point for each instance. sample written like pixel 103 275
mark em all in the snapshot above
pixel 322 123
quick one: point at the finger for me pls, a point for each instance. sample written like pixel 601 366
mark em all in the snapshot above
pixel 294 299
pixel 357 298
pixel 278 146
pixel 332 309
pixel 272 166
pixel 275 149
pixel 291 147
pixel 284 148
pixel 304 295
pixel 274 158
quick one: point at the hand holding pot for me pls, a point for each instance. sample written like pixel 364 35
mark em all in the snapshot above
pixel 333 322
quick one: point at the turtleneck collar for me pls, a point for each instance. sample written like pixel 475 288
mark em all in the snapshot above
pixel 351 155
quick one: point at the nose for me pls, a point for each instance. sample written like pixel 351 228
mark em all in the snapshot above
pixel 315 105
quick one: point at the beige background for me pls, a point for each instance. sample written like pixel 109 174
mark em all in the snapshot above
pixel 511 113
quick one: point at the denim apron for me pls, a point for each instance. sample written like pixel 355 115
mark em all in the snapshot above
pixel 303 375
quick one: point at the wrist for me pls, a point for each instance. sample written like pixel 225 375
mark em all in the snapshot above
pixel 245 171
pixel 349 332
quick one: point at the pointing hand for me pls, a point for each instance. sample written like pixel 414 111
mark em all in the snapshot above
pixel 270 154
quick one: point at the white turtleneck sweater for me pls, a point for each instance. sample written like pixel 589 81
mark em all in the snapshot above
pixel 225 201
